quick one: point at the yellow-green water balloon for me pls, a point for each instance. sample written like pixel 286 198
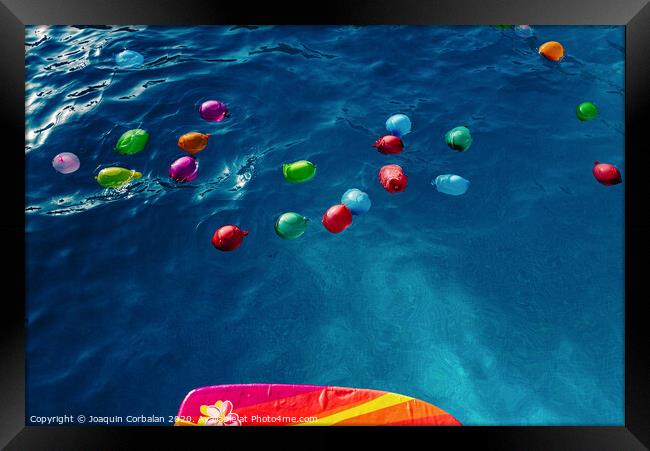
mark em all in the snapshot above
pixel 115 177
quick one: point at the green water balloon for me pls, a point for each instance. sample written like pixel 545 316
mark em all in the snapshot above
pixel 459 138
pixel 132 142
pixel 299 171
pixel 586 111
pixel 290 226
pixel 115 177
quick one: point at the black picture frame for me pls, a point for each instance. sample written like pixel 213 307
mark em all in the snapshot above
pixel 634 14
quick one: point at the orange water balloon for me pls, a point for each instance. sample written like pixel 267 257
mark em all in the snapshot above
pixel 552 50
pixel 193 142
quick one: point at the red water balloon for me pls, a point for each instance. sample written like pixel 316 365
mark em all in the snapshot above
pixel 607 174
pixel 392 178
pixel 389 144
pixel 337 218
pixel 228 238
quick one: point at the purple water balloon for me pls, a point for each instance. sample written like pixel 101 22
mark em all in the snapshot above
pixel 213 111
pixel 66 162
pixel 185 169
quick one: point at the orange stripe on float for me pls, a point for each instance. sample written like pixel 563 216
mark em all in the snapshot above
pixel 383 402
pixel 408 411
pixel 180 422
pixel 438 420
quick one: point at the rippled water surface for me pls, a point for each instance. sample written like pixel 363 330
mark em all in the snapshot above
pixel 501 306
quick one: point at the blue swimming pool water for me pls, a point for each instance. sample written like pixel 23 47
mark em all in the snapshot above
pixel 502 306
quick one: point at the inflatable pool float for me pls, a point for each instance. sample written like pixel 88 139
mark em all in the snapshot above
pixel 305 405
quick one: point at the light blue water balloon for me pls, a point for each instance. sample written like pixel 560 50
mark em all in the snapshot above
pixel 398 125
pixel 129 59
pixel 451 184
pixel 524 31
pixel 357 201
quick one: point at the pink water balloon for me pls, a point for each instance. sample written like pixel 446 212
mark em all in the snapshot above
pixel 66 163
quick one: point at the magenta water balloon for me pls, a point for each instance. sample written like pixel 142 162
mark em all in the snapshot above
pixel 185 169
pixel 66 162
pixel 213 110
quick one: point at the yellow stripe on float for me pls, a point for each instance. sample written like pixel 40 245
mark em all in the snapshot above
pixel 387 400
